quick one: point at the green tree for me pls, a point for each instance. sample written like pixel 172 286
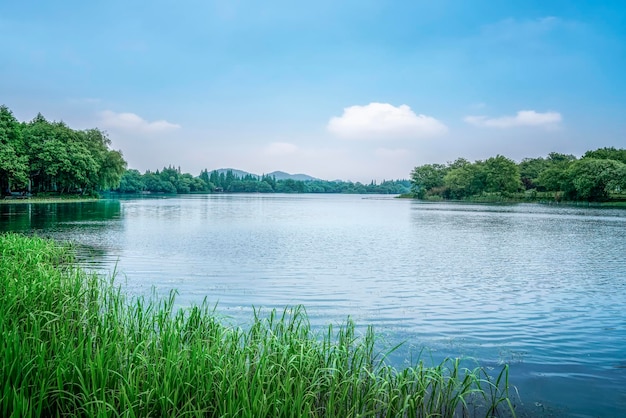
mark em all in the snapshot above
pixel 610 153
pixel 48 154
pixel 427 177
pixel 555 178
pixel 530 169
pixel 594 179
pixel 560 159
pixel 199 185
pixel 13 163
pixel 65 160
pixel 110 163
pixel 111 170
pixel 466 180
pixel 501 175
pixel 131 182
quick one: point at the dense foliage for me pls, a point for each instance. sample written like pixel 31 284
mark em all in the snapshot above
pixel 74 345
pixel 171 180
pixel 598 175
pixel 42 156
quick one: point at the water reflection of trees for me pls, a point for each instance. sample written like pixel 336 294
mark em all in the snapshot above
pixel 44 217
pixel 88 226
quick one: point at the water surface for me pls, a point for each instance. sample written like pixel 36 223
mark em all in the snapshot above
pixel 542 288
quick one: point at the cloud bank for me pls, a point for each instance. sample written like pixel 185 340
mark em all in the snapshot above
pixel 384 121
pixel 134 123
pixel 522 118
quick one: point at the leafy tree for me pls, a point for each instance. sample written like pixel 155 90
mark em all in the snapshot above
pixel 265 187
pixel 13 164
pixel 560 159
pixel 111 170
pixel 270 180
pixel 199 185
pixel 530 169
pixel 501 175
pixel 426 177
pixel 58 158
pixel 290 186
pixel 458 163
pixel 610 153
pixel 131 182
pixel 593 179
pixel 204 176
pixel 465 181
pixel 555 177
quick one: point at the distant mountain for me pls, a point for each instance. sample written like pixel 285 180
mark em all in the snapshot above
pixel 237 173
pixel 280 175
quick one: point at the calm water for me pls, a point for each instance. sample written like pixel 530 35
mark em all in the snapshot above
pixel 542 288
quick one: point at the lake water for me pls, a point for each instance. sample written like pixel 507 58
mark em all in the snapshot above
pixel 542 288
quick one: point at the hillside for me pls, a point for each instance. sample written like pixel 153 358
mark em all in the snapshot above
pixel 280 175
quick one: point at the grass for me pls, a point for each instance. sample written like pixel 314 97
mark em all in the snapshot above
pixel 74 345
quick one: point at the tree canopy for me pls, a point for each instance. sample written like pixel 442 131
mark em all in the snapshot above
pixel 598 175
pixel 42 156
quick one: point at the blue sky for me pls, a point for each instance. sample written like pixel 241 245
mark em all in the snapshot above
pixel 353 90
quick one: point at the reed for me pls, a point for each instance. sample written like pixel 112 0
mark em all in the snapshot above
pixel 73 344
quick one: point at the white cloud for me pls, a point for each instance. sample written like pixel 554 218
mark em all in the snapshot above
pixel 280 148
pixel 133 122
pixel 384 121
pixel 522 118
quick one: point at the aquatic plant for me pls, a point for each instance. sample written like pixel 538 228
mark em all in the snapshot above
pixel 73 344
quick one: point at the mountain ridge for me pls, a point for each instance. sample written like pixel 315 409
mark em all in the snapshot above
pixel 280 175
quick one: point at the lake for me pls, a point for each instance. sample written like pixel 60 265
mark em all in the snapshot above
pixel 540 287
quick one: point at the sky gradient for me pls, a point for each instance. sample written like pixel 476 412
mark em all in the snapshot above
pixel 352 90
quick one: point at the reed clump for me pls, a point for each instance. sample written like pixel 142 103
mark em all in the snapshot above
pixel 74 345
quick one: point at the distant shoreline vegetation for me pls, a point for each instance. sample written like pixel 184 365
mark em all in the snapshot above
pixel 51 159
pixel 598 176
pixel 171 180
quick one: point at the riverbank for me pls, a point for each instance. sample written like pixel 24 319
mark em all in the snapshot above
pixel 495 199
pixel 75 344
pixel 46 199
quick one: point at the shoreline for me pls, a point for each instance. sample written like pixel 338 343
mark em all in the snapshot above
pixel 38 200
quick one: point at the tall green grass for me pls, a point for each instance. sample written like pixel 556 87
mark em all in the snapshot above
pixel 72 344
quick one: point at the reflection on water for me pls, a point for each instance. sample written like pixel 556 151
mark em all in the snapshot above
pixel 541 288
pixel 52 217
pixel 83 223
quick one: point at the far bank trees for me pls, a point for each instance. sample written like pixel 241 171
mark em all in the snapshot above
pixel 171 180
pixel 598 175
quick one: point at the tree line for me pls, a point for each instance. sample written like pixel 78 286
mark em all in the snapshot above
pixel 172 181
pixel 49 157
pixel 599 175
pixel 41 156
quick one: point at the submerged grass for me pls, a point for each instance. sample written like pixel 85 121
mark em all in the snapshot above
pixel 74 345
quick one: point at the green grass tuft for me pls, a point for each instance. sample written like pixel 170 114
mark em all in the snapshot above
pixel 74 345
